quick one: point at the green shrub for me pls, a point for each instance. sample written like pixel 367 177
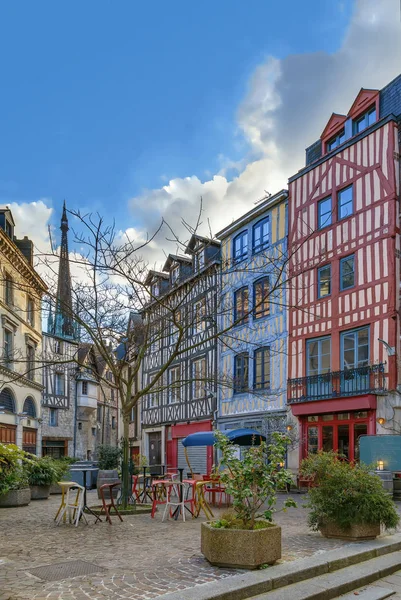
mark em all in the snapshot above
pixel 13 468
pixel 253 480
pixel 346 494
pixel 42 471
pixel 108 457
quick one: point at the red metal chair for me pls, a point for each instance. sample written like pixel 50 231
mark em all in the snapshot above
pixel 135 489
pixel 161 490
pixel 106 507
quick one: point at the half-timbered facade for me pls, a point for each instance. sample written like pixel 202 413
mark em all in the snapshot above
pixel 21 291
pixel 344 244
pixel 181 354
pixel 253 352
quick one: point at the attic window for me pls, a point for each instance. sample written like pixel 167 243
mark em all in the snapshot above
pixel 200 259
pixel 174 274
pixel 336 141
pixel 367 119
pixel 156 288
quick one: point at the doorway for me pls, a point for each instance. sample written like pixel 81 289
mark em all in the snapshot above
pixel 155 448
pixel 339 432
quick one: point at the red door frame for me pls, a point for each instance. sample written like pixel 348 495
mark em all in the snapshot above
pixel 369 420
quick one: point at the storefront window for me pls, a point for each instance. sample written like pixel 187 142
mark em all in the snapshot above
pixel 343 440
pixel 327 438
pixel 313 445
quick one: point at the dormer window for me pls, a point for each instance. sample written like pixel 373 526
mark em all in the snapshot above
pixel 336 141
pixel 367 119
pixel 9 229
pixel 156 289
pixel 240 246
pixel 174 274
pixel 200 259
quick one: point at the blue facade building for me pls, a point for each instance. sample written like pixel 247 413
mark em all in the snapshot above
pixel 252 370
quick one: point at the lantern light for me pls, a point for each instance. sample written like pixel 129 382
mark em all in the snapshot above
pixel 381 420
pixel 289 427
pixel 380 465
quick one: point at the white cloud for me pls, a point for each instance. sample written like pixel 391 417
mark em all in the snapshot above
pixel 286 107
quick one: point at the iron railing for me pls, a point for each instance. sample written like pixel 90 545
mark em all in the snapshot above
pixel 350 382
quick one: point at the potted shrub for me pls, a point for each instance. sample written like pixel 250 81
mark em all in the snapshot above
pixel 14 486
pixel 247 538
pixel 108 460
pixel 42 473
pixel 348 500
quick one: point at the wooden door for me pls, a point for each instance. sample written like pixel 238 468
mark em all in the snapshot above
pixel 29 440
pixel 155 448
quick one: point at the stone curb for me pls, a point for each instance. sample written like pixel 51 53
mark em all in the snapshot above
pixel 253 583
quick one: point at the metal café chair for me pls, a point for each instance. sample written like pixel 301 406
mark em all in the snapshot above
pixel 74 508
pixel 178 504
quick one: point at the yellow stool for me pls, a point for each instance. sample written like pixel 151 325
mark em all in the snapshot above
pixel 65 486
pixel 200 502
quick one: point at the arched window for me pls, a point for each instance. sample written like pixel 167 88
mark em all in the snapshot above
pixel 7 400
pixel 29 407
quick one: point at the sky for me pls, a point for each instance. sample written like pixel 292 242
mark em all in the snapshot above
pixel 136 110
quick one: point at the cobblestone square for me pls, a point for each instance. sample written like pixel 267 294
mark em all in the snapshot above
pixel 141 558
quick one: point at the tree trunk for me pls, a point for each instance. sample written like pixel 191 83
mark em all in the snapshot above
pixel 125 466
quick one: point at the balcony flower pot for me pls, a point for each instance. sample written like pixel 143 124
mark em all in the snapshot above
pixel 355 533
pixel 241 548
pixel 13 498
pixel 40 492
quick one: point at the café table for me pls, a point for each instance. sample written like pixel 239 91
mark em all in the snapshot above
pixel 84 471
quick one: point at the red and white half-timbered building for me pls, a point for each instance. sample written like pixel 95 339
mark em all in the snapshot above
pixel 344 273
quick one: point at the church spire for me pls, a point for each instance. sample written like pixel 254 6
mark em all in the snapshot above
pixel 63 323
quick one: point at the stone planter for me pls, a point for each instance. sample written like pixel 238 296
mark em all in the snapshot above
pixel 110 476
pixel 40 492
pixel 55 489
pixel 241 548
pixel 16 498
pixel 355 533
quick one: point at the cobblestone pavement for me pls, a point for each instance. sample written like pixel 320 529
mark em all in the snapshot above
pixel 139 559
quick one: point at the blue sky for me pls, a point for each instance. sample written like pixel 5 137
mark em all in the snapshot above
pixel 102 100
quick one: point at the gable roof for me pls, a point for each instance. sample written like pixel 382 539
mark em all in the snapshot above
pixel 151 274
pixel 175 258
pixel 363 100
pixel 333 125
pixel 203 240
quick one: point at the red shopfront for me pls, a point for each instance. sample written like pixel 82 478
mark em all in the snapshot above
pixel 324 427
pixel 201 458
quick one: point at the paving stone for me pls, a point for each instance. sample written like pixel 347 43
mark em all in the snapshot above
pixel 140 559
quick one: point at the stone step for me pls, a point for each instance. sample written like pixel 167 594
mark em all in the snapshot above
pixel 342 581
pixel 369 593
pixel 265 581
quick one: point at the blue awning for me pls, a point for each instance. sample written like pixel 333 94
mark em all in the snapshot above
pixel 242 437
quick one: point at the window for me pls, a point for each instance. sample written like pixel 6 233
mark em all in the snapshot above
pixel 200 260
pixel 324 281
pixel 84 388
pixel 113 422
pixel 174 274
pixel 198 377
pixel 324 213
pixel 53 417
pixel 29 407
pixel 112 394
pixel 9 229
pixel 175 319
pixel 241 371
pixel 261 379
pixel 336 141
pixel 30 359
pixel 8 290
pixel 7 400
pixel 355 348
pixel 347 272
pixel 99 413
pixel 155 289
pixel 240 246
pixel 59 384
pixel 58 347
pixel 8 348
pixel 241 306
pixel 261 306
pixel 318 356
pixel 174 390
pixel 199 316
pixel 367 119
pixel 261 235
pixel 93 433
pixel 30 311
pixel 345 203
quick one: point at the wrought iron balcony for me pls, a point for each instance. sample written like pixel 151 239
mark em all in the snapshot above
pixel 350 382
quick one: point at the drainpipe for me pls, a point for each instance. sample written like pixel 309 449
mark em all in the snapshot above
pixel 75 415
